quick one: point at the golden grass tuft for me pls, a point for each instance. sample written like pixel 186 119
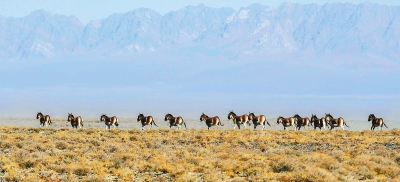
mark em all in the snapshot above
pixel 34 154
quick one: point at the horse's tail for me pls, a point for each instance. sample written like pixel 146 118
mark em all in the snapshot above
pixel 345 124
pixel 184 123
pixel 268 123
pixel 153 122
pixel 220 123
pixel 383 122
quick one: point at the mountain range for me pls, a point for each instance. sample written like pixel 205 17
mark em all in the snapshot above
pixel 364 31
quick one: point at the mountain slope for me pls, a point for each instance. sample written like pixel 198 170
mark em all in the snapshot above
pixel 366 30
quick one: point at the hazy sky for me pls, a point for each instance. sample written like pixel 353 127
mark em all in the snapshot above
pixel 97 9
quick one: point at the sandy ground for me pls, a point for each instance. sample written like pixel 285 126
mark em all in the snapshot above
pixel 131 123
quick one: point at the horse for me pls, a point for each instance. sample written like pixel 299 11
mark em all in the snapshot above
pixel 175 121
pixel 286 122
pixel 376 122
pixel 238 120
pixel 75 122
pixel 301 121
pixel 335 122
pixel 45 121
pixel 146 120
pixel 109 121
pixel 258 120
pixel 320 123
pixel 214 121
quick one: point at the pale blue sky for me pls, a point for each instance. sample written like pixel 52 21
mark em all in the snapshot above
pixel 87 10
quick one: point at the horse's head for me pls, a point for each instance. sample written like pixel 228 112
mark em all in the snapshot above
pixel 103 117
pixel 39 115
pixel 231 115
pixel 140 116
pixel 313 117
pixel 279 120
pixel 70 116
pixel 328 116
pixel 371 117
pixel 203 117
pixel 251 116
pixel 168 117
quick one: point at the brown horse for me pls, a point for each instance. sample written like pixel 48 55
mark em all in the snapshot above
pixel 45 121
pixel 174 121
pixel 286 122
pixel 335 122
pixel 75 122
pixel 146 120
pixel 214 121
pixel 376 122
pixel 109 121
pixel 238 120
pixel 301 121
pixel 320 123
pixel 258 120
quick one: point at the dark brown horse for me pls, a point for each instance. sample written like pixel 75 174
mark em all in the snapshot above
pixel 45 121
pixel 376 122
pixel 75 122
pixel 146 120
pixel 320 123
pixel 109 121
pixel 238 120
pixel 301 121
pixel 339 122
pixel 214 121
pixel 174 121
pixel 258 120
pixel 286 122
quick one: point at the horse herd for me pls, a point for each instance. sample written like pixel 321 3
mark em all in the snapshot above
pixel 296 121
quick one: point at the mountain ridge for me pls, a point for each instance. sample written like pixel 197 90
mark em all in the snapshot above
pixel 256 31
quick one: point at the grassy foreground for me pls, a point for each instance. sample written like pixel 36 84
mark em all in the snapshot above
pixel 33 154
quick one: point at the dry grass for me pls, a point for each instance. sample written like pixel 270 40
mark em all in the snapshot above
pixel 33 154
